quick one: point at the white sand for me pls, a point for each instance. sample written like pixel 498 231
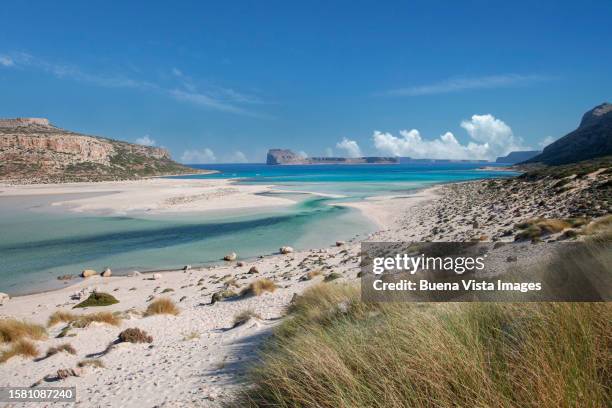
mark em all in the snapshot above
pixel 175 372
pixel 154 196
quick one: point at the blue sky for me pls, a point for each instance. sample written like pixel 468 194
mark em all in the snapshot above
pixel 225 82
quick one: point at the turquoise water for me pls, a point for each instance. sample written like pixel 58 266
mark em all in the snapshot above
pixel 38 244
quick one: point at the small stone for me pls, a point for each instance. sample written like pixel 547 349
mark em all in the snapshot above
pixel 4 298
pixel 157 276
pixel 253 270
pixel 340 243
pixel 286 250
pixel 187 268
pixel 239 263
pixel 107 273
pixel 230 257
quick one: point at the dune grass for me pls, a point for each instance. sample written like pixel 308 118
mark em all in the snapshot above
pixel 81 321
pixel 66 347
pixel 259 287
pixel 438 354
pixel 13 330
pixel 22 348
pixel 162 306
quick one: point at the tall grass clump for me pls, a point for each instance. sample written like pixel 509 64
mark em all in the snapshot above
pixel 162 306
pixel 259 287
pixel 13 330
pixel 81 321
pixel 336 351
pixel 22 348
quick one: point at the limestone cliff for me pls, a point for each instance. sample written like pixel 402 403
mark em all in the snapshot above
pixel 34 151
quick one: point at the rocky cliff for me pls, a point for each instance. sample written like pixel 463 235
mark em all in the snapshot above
pixel 592 138
pixel 34 151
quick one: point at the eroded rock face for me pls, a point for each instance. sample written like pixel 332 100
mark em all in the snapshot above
pixel 31 149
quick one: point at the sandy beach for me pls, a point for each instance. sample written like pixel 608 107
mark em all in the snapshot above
pixel 200 346
pixel 153 196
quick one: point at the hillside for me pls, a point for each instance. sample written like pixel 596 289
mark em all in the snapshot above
pixel 592 138
pixel 34 151
pixel 517 156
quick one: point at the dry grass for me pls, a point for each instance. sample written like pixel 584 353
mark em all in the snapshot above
pixel 91 362
pixel 244 316
pixel 259 287
pixel 66 347
pixel 22 348
pixel 81 321
pixel 162 306
pixel 439 354
pixel 61 316
pixel 13 330
pixel 600 225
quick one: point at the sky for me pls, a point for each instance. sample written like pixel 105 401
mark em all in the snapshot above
pixel 226 81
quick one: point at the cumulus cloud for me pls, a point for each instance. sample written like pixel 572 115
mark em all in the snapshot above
pixel 146 141
pixel 237 157
pixel 350 147
pixel 302 154
pixel 329 152
pixel 198 156
pixel 489 138
pixel 546 141
pixel 6 61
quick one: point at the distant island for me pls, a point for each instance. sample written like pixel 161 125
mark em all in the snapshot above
pixel 286 156
pixel 32 150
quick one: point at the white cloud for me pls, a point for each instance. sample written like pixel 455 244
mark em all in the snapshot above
pixel 350 147
pixel 214 98
pixel 329 152
pixel 462 84
pixel 489 138
pixel 146 141
pixel 6 61
pixel 198 156
pixel 546 141
pixel 302 154
pixel 237 157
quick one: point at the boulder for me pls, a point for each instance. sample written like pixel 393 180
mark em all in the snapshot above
pixel 88 272
pixel 239 263
pixel 253 269
pixel 230 257
pixel 107 273
pixel 286 250
pixel 340 243
pixel 4 298
pixel 187 268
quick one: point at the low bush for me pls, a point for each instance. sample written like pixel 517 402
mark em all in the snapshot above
pixel 96 299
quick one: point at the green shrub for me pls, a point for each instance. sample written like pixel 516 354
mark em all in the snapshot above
pixel 96 299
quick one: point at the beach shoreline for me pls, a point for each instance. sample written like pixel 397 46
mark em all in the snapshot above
pixel 202 345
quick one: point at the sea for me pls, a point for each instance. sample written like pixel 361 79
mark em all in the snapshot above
pixel 38 243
